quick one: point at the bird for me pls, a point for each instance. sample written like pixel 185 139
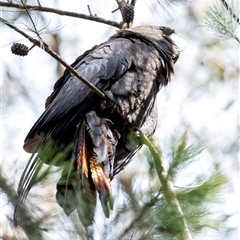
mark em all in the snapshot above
pixel 92 134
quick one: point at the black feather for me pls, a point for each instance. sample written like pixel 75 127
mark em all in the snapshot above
pixel 130 68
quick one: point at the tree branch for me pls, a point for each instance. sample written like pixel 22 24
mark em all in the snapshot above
pixel 47 49
pixel 61 12
pixel 29 15
pixel 167 186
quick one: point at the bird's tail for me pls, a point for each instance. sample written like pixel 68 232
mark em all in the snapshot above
pixel 89 169
pixel 33 173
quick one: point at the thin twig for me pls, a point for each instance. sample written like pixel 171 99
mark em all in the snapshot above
pixel 121 3
pixel 236 38
pixel 39 4
pixel 167 185
pixel 61 12
pixel 113 11
pixel 47 49
pixel 225 4
pixel 34 26
pixel 89 10
pixel 31 47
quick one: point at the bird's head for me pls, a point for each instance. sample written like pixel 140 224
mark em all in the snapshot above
pixel 165 38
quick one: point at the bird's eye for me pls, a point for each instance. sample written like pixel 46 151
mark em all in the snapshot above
pixel 161 28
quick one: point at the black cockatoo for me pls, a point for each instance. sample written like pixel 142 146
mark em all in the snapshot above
pixel 129 68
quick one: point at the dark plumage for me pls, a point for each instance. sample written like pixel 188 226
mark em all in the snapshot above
pixel 130 68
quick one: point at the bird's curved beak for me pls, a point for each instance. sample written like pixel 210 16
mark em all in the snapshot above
pixel 179 42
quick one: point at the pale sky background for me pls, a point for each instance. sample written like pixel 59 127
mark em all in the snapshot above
pixel 202 111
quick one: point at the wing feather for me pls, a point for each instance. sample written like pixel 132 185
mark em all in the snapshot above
pixel 102 66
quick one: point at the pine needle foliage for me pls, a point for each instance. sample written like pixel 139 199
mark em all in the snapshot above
pixel 222 18
pixel 141 209
pixel 153 217
pixel 142 212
